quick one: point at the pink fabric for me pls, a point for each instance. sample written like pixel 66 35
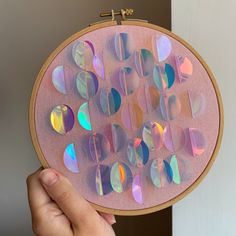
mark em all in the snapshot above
pixel 53 144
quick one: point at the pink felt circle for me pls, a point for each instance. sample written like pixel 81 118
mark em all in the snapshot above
pixel 53 145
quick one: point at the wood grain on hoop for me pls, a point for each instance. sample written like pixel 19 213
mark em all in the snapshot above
pixel 43 160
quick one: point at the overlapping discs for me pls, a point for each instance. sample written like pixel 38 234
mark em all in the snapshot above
pixel 129 114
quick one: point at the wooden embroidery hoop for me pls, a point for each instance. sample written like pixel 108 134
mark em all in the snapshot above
pixel 141 23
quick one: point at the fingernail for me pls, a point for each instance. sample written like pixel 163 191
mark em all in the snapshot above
pixel 48 177
pixel 112 220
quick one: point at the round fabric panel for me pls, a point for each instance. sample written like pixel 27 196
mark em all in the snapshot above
pixel 129 113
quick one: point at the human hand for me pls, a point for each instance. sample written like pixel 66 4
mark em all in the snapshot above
pixel 58 209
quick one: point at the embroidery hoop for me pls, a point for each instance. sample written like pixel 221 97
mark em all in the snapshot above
pixel 137 23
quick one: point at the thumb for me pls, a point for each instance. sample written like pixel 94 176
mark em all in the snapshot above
pixel 74 206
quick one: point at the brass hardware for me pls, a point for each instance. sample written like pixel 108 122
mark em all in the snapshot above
pixel 123 13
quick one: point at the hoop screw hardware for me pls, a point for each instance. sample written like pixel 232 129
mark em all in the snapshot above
pixel 123 13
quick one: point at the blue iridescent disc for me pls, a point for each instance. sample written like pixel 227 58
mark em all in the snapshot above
pixel 163 78
pixel 102 180
pixel 70 158
pixel 110 101
pixel 122 48
pixel 137 152
pixel 84 116
pixel 87 84
pixel 144 62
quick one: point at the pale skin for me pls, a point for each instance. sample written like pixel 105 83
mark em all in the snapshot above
pixel 57 209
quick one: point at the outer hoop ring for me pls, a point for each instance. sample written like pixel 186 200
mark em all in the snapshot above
pixel 32 127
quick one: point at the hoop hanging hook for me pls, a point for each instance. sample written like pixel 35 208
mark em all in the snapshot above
pixel 123 13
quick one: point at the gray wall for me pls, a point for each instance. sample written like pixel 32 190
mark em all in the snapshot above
pixel 209 25
pixel 29 31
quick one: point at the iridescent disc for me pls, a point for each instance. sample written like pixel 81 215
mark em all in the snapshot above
pixel 58 79
pixel 170 107
pixel 98 66
pixel 84 116
pixel 148 98
pixel 70 159
pixel 168 171
pixel 87 84
pixel 129 80
pixel 116 137
pixel 99 147
pixel 137 189
pixel 82 53
pixel 103 185
pixel 185 169
pixel 144 62
pixel 62 119
pixel 196 102
pixel 137 152
pixel 184 68
pixel 163 78
pixel 110 101
pixel 120 177
pixel 122 48
pixel 132 116
pixel 173 137
pixel 157 173
pixel 175 169
pixel 163 47
pixel 127 109
pixel 152 135
pixel 197 141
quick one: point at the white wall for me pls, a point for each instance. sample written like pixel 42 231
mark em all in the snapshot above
pixel 210 26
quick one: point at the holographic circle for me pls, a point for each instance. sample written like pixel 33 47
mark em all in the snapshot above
pixel 87 84
pixel 170 107
pixel 196 102
pixel 84 116
pixel 62 119
pixel 110 101
pixel 137 152
pixel 116 136
pixel 137 189
pixel 148 98
pixel 102 180
pixel 82 53
pixel 122 46
pixel 197 141
pixel 144 62
pixel 58 79
pixel 70 158
pixel 153 135
pixel 164 78
pixel 157 173
pixel 120 177
pixel 184 68
pixel 98 67
pixel 129 80
pixel 99 147
pixel 173 137
pixel 132 116
pixel 163 47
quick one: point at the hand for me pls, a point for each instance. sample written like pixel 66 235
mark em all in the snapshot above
pixel 58 209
